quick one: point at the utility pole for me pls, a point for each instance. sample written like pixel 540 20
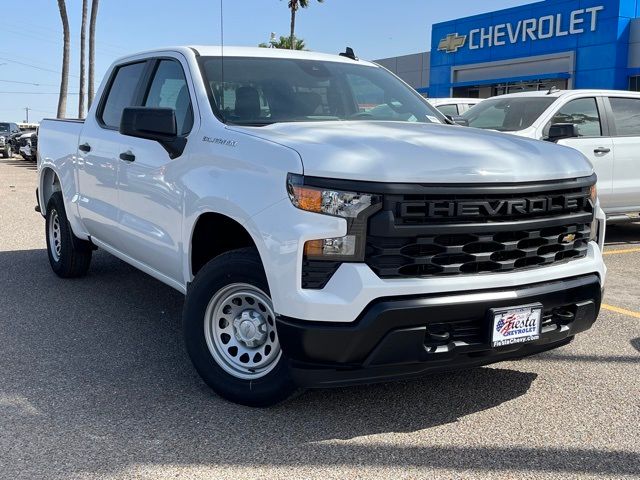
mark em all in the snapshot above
pixel 26 109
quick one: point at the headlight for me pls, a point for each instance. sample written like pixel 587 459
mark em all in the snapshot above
pixel 354 207
pixel 2 139
pixel 327 201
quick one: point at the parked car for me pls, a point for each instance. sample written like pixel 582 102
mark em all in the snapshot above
pixel 603 125
pixel 454 106
pixel 318 244
pixel 27 143
pixel 8 133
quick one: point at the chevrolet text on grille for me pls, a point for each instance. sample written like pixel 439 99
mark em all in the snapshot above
pixel 478 208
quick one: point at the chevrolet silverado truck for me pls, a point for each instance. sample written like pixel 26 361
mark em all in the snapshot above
pixel 325 224
pixel 602 124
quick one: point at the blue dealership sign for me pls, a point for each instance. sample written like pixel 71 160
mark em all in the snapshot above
pixel 595 31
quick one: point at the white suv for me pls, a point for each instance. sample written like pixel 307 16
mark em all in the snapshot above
pixel 602 124
pixel 452 107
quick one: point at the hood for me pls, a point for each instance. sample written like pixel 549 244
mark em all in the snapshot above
pixel 422 153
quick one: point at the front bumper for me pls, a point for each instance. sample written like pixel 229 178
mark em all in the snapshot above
pixel 404 337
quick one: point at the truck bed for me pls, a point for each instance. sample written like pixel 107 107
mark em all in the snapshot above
pixel 58 139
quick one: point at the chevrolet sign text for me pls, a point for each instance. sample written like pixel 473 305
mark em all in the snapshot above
pixel 541 28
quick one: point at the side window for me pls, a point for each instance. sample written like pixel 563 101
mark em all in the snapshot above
pixel 169 89
pixel 451 109
pixel 626 116
pixel 14 128
pixel 121 93
pixel 584 113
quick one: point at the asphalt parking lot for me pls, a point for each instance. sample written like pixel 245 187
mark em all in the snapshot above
pixel 95 383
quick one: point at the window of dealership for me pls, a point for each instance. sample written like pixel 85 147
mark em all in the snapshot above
pixel 553 43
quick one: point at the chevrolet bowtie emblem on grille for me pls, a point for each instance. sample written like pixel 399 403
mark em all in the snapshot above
pixel 452 42
pixel 569 238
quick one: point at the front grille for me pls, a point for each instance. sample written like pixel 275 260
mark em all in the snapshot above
pixel 483 229
pixel 475 252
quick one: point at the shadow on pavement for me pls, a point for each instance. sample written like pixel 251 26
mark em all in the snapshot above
pixel 626 233
pixel 94 377
pixel 19 162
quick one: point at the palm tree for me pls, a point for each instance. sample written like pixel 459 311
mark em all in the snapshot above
pixel 64 81
pixel 92 49
pixel 83 34
pixel 294 5
pixel 285 42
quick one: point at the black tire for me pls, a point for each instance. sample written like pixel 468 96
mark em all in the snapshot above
pixel 73 257
pixel 242 266
pixel 8 153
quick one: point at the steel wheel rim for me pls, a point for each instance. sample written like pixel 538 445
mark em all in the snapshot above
pixel 240 331
pixel 55 240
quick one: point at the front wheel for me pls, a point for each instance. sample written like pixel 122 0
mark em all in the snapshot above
pixel 230 331
pixel 8 152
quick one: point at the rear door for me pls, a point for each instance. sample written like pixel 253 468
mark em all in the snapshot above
pixel 594 139
pixel 98 149
pixel 625 127
pixel 150 196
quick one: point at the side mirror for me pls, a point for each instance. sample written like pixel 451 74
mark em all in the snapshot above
pixel 157 124
pixel 458 120
pixel 559 131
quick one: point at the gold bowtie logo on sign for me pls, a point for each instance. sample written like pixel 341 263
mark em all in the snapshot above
pixel 452 43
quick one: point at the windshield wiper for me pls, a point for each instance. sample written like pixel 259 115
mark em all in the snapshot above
pixel 256 123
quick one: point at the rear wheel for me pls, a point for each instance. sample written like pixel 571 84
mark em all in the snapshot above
pixel 68 255
pixel 230 331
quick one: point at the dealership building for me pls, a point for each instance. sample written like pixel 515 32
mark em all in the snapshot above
pixel 554 43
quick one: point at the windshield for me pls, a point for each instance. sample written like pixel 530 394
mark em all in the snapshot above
pixel 261 91
pixel 4 127
pixel 507 114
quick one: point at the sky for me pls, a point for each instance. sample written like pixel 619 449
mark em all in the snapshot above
pixel 31 43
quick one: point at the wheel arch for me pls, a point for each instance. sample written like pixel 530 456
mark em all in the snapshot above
pixel 214 233
pixel 49 183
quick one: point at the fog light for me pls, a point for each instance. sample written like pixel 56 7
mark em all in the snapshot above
pixel 331 247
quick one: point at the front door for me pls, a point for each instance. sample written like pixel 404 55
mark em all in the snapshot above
pixel 593 141
pixel 626 147
pixel 150 194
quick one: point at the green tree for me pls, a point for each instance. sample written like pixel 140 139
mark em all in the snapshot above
pixel 294 5
pixel 285 42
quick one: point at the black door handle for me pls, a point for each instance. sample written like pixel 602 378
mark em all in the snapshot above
pixel 127 156
pixel 85 147
pixel 601 150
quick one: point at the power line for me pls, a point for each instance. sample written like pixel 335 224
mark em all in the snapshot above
pixel 34 66
pixel 30 83
pixel 38 93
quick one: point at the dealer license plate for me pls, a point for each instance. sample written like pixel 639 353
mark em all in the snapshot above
pixel 516 325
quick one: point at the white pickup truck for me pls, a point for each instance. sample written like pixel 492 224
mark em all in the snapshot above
pixel 325 226
pixel 602 124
